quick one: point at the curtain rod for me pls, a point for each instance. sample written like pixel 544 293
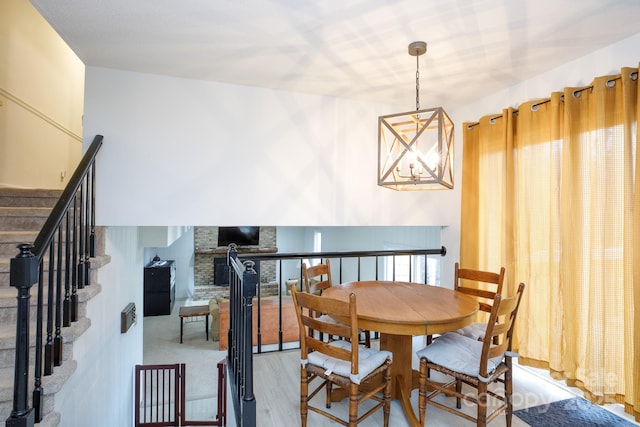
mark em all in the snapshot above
pixel 576 94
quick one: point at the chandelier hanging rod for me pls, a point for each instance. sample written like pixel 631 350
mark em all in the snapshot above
pixel 417 49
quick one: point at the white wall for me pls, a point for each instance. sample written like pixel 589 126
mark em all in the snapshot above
pixel 203 153
pixel 581 72
pixel 191 152
pixel 100 393
pixel 41 101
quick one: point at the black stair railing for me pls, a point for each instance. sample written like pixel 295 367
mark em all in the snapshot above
pixel 416 256
pixel 64 247
pixel 243 282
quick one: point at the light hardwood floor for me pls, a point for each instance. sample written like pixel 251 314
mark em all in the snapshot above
pixel 277 380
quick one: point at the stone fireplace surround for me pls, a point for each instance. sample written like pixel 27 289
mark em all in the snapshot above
pixel 206 249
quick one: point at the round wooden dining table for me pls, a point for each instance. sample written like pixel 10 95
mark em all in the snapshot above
pixel 399 311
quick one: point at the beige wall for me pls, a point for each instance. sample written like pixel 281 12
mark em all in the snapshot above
pixel 41 101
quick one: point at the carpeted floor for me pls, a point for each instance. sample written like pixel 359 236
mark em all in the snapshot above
pixel 162 345
pixel 570 412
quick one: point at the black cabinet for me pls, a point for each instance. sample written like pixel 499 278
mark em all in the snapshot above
pixel 159 287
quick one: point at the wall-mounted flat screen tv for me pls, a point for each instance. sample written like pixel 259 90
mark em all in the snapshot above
pixel 241 236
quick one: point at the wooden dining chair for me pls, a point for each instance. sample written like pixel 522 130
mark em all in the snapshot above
pixel 475 363
pixel 316 279
pixel 342 362
pixel 484 286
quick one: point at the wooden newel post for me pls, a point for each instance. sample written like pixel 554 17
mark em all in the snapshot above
pixel 24 274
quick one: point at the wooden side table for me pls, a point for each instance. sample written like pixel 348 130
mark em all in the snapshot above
pixel 194 311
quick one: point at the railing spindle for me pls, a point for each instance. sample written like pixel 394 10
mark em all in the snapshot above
pixel 87 232
pixel 48 353
pixel 37 389
pixel 66 307
pixel 57 339
pixel 81 278
pixel 74 263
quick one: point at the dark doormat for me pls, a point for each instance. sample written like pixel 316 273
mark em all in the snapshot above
pixel 571 412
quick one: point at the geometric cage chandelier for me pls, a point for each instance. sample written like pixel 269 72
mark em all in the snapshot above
pixel 415 149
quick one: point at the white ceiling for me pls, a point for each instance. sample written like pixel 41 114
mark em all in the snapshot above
pixel 346 48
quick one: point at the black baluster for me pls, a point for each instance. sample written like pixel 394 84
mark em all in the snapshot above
pixel 57 340
pixel 87 233
pixel 80 264
pixel 38 393
pixel 74 262
pixel 92 238
pixel 66 308
pixel 48 348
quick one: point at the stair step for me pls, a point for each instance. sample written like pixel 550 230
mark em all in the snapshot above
pixel 9 240
pixel 22 214
pixel 5 262
pixel 29 197
pixel 69 333
pixel 23 219
pixel 50 386
pixel 8 303
pixel 52 419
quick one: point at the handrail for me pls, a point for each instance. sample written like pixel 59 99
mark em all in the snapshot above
pixel 36 112
pixel 352 274
pixel 347 254
pixel 70 226
pixel 46 235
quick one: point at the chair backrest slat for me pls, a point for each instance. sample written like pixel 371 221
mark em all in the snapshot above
pixel 339 330
pixel 484 285
pixel 306 304
pixel 317 278
pixel 499 332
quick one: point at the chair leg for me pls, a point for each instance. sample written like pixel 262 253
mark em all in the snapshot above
pixel 508 394
pixel 422 390
pixel 328 399
pixel 458 390
pixel 429 341
pixel 304 390
pixel 353 404
pixel 482 404
pixel 387 396
pixel 367 339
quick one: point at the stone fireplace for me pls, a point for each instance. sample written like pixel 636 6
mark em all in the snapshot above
pixel 209 259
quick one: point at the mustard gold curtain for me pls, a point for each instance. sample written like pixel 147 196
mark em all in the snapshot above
pixel 548 192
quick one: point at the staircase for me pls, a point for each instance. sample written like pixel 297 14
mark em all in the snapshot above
pixel 22 214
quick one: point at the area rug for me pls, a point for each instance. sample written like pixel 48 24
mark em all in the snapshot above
pixel 570 412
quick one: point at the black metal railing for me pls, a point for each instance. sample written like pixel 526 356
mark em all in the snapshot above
pixel 63 249
pixel 244 286
pixel 351 266
pixel 243 281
